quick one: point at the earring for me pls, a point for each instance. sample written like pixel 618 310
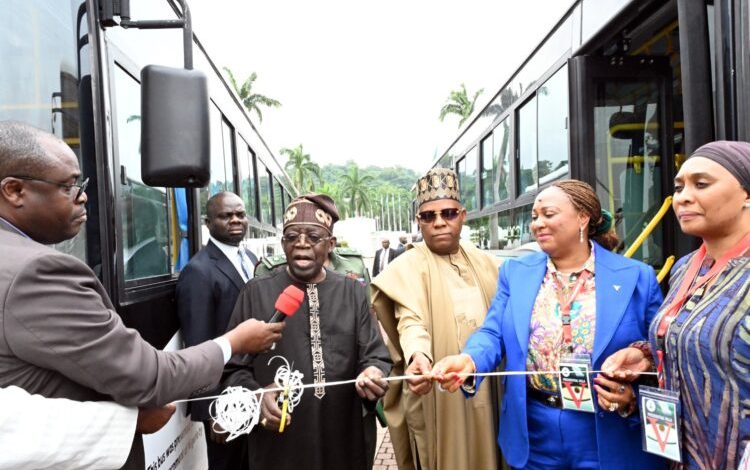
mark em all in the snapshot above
pixel 580 234
pixel 747 205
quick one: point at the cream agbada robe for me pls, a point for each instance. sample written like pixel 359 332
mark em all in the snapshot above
pixel 449 296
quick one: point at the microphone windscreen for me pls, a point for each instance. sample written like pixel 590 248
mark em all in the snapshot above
pixel 289 300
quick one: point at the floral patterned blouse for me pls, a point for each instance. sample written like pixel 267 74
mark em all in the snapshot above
pixel 545 335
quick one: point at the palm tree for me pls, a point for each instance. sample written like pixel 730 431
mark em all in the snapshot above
pixel 252 101
pixel 301 168
pixel 330 189
pixel 356 188
pixel 458 103
pixel 334 190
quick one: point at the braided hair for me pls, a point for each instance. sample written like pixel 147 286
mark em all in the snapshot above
pixel 585 200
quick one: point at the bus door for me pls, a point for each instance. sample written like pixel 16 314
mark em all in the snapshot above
pixel 622 136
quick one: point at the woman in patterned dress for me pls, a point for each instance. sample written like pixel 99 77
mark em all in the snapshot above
pixel 610 301
pixel 702 332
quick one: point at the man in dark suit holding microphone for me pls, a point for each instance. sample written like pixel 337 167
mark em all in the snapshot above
pixel 206 293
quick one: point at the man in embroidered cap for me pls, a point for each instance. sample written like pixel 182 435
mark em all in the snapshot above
pixel 429 319
pixel 332 337
pixel 343 260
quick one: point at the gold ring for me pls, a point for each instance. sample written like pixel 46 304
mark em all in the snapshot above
pixel 264 422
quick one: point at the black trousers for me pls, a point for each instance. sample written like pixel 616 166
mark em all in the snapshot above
pixel 229 456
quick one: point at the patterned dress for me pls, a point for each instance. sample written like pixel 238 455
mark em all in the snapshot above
pixel 708 362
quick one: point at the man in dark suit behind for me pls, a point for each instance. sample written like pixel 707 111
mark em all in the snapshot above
pixel 402 241
pixel 206 293
pixel 382 257
pixel 59 333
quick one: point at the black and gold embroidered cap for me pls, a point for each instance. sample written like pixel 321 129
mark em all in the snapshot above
pixel 312 209
pixel 438 183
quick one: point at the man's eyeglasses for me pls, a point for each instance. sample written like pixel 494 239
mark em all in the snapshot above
pixel 428 217
pixel 312 238
pixel 68 187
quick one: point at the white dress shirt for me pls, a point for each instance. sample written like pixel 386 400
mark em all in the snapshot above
pixel 44 433
pixel 233 254
pixel 384 252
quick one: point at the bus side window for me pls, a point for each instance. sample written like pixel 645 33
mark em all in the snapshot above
pixel 264 184
pixel 145 213
pixel 222 178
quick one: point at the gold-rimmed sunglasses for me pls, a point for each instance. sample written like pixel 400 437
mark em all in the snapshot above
pixel 428 217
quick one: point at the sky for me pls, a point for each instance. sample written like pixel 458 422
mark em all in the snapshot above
pixel 365 81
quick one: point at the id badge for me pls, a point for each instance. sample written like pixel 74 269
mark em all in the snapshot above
pixel 660 422
pixel 575 383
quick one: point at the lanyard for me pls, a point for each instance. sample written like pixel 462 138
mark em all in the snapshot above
pixel 690 284
pixel 566 304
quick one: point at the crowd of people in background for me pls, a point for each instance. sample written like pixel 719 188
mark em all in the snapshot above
pixel 600 370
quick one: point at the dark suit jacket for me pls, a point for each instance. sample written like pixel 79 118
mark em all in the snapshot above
pixel 206 293
pixel 627 299
pixel 60 337
pixel 376 264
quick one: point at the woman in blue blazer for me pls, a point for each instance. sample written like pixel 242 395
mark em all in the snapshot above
pixel 575 298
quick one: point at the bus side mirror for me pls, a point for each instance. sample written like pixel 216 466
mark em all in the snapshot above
pixel 175 135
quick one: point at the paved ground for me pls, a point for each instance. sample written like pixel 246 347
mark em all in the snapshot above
pixel 384 458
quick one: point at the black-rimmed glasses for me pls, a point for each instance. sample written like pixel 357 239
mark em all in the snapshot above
pixel 81 186
pixel 428 217
pixel 312 238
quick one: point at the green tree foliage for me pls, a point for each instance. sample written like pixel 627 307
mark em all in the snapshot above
pixel 458 102
pixel 300 167
pixel 372 191
pixel 330 189
pixel 252 101
pixel 388 196
pixel 355 188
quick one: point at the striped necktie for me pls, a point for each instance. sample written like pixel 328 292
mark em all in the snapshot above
pixel 244 265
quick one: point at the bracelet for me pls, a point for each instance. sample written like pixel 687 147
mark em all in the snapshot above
pixel 628 411
pixel 469 386
pixel 624 413
pixel 644 347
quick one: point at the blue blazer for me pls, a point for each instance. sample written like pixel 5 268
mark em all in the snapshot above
pixel 627 298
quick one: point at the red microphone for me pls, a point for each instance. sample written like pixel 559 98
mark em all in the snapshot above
pixel 287 304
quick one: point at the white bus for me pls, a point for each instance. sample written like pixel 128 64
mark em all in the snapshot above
pixel 71 69
pixel 617 94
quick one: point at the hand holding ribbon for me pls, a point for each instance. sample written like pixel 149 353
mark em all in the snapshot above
pixel 370 384
pixel 422 367
pixel 452 371
pixel 269 409
pixel 627 364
